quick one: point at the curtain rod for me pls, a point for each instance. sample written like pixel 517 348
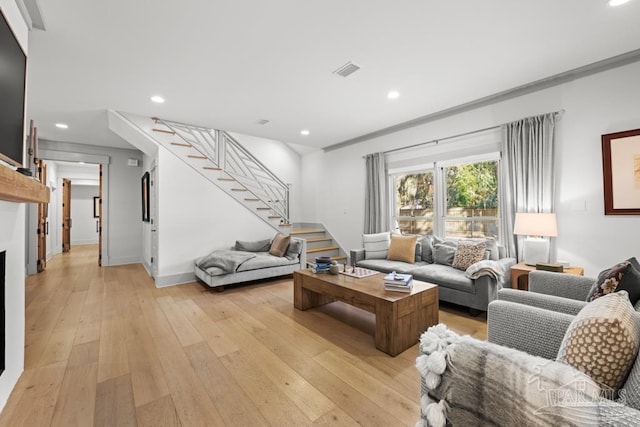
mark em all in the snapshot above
pixel 436 141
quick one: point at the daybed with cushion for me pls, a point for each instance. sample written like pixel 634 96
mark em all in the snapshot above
pixel 253 260
pixel 566 353
pixel 468 272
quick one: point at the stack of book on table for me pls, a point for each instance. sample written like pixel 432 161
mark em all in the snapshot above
pixel 398 282
pixel 322 265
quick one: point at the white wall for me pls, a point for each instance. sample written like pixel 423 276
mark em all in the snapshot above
pixel 194 218
pixel 83 231
pixel 595 105
pixel 12 240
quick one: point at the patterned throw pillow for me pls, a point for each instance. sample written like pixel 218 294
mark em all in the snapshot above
pixel 376 245
pixel 402 248
pixel 622 276
pixel 602 340
pixel 279 245
pixel 468 253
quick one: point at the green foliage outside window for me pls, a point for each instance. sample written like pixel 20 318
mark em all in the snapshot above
pixel 473 185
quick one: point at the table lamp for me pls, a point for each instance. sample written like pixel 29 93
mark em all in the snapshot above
pixel 536 226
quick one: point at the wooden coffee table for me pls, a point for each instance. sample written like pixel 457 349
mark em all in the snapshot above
pixel 400 317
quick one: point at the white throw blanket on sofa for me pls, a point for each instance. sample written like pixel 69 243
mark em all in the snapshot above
pixel 486 267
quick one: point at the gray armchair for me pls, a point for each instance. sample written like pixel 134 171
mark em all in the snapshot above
pixel 509 379
pixel 535 321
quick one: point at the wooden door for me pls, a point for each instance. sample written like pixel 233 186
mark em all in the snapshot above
pixel 100 220
pixel 43 226
pixel 66 215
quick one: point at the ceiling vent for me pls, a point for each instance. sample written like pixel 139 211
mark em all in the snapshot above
pixel 347 69
pixel 263 122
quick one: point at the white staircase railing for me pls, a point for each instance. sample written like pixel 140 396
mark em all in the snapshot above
pixel 216 150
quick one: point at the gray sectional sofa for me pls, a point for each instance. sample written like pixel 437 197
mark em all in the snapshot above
pixel 248 261
pixel 455 285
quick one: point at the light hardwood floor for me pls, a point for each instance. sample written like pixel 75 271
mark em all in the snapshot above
pixel 104 347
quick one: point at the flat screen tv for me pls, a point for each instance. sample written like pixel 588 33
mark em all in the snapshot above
pixel 13 67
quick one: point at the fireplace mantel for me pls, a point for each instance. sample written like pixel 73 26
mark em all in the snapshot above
pixel 15 187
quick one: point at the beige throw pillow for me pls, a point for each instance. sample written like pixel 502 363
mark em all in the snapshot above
pixel 468 253
pixel 279 245
pixel 602 340
pixel 402 248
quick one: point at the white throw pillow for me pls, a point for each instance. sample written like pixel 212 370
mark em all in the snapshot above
pixel 376 246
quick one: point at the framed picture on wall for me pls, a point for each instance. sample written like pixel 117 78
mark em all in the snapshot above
pixel 145 197
pixel 96 207
pixel 621 172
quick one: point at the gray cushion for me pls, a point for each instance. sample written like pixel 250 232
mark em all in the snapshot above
pixel 444 241
pixel 418 256
pixel 443 254
pixel 293 251
pixel 442 275
pixel 427 248
pixel 387 266
pixel 253 246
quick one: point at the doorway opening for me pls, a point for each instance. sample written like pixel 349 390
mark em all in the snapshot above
pixel 75 208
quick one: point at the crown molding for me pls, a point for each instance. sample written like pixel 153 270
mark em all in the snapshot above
pixel 555 80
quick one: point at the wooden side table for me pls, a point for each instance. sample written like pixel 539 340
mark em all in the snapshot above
pixel 520 274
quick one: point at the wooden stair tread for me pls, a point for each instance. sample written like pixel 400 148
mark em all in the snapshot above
pixel 307 230
pixel 323 249
pixel 251 199
pixel 239 189
pixel 262 208
pixel 317 239
pixel 170 132
pixel 181 144
pixel 211 168
pixel 195 156
pixel 225 179
pixel 274 216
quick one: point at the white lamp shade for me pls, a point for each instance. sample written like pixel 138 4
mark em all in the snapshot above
pixel 536 224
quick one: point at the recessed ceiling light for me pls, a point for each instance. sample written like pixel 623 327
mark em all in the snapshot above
pixel 393 94
pixel 62 126
pixel 616 2
pixel 304 132
pixel 157 99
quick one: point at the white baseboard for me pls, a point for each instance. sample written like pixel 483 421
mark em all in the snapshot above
pixel 122 260
pixel 147 267
pixel 175 279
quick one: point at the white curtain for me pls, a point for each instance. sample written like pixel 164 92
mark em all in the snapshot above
pixel 375 196
pixel 527 174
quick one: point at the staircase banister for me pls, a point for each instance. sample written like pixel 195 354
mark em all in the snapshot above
pixel 255 159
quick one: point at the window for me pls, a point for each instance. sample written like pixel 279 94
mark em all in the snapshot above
pixel 471 200
pixel 413 207
pixel 455 200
